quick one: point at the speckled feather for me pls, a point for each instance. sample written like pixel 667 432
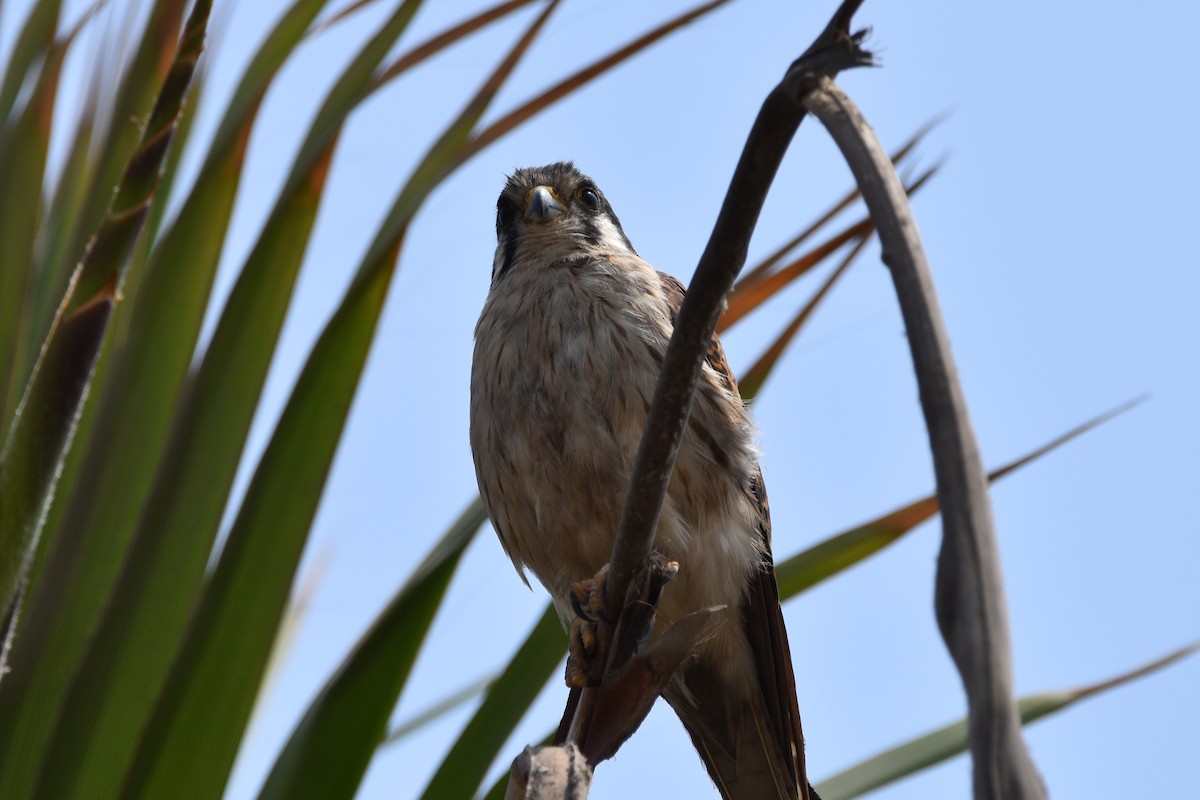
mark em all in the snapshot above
pixel 567 354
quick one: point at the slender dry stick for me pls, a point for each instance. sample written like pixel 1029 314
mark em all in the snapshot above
pixel 969 595
pixel 781 113
pixel 835 49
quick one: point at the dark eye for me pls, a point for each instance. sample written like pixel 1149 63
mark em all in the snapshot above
pixel 504 215
pixel 587 195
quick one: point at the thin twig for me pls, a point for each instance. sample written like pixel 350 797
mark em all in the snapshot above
pixel 835 49
pixel 969 599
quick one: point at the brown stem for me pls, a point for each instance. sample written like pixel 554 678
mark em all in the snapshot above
pixel 969 595
pixel 781 113
pixel 834 50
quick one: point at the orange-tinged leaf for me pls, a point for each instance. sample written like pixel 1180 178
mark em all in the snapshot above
pixel 754 293
pixel 950 740
pixel 441 41
pixel 754 378
pixel 564 87
pixel 339 16
pixel 824 560
pixel 898 156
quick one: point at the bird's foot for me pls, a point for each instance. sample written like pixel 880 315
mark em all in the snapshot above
pixel 582 650
pixel 636 625
pixel 586 653
pixel 587 596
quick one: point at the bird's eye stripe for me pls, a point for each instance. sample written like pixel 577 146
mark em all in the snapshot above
pixel 504 215
pixel 510 256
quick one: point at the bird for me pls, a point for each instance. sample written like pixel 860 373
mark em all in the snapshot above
pixel 568 349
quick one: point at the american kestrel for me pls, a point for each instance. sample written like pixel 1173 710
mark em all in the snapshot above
pixel 567 355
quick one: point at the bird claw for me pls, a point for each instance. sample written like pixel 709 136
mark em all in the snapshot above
pixel 582 650
pixel 587 597
pixel 585 661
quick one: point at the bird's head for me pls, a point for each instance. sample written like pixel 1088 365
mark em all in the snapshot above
pixel 550 214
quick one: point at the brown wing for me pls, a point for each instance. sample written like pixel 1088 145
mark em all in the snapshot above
pixel 716 354
pixel 762 620
pixel 762 617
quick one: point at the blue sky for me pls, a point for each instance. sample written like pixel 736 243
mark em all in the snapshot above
pixel 1059 233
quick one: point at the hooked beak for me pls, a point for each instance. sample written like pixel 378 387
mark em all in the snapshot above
pixel 542 205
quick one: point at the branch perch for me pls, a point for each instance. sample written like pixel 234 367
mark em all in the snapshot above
pixel 969 596
pixel 599 719
pixel 835 49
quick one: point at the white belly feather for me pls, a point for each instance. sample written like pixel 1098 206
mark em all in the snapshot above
pixel 563 375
